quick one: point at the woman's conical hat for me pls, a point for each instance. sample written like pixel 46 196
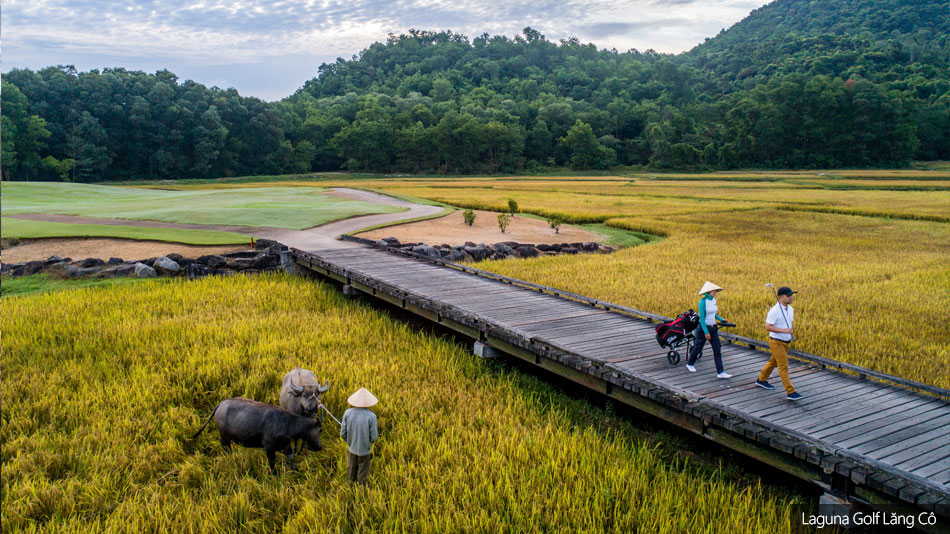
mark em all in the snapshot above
pixel 362 399
pixel 707 287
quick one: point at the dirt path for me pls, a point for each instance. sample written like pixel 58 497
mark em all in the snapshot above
pixel 318 237
pixel 452 230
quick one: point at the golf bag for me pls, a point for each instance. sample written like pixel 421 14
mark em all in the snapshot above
pixel 675 333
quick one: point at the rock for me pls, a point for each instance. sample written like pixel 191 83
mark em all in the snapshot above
pixel 175 257
pixel 241 254
pixel 512 244
pixel 91 262
pixel 478 252
pixel 569 250
pixel 166 265
pixel 468 258
pixel 469 244
pixel 33 267
pixel 527 251
pixel 184 262
pixel 213 260
pixel 391 241
pixel 503 249
pixel 150 262
pixel 7 267
pixel 65 270
pixel 543 247
pixel 456 255
pixel 143 270
pixel 114 261
pixel 197 270
pixel 498 256
pixel 239 264
pixel 589 246
pixel 224 272
pixel 382 243
pixel 263 261
pixel 605 249
pixel 54 259
pixel 117 271
pixel 426 250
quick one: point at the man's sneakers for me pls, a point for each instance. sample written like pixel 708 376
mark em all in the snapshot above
pixel 724 375
pixel 764 384
pixel 795 396
pixel 691 368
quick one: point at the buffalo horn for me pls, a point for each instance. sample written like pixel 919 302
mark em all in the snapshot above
pixel 296 389
pixel 323 388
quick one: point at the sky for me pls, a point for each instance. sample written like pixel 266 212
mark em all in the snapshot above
pixel 269 49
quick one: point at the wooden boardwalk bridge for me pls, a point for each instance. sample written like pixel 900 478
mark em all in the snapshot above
pixel 865 436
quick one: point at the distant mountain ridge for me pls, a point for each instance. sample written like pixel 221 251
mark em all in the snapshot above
pixel 877 39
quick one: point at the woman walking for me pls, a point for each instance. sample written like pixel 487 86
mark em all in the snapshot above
pixel 708 315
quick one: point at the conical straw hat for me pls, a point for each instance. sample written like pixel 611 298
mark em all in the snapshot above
pixel 362 399
pixel 707 287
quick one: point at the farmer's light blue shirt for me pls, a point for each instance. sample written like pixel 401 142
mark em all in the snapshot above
pixel 359 430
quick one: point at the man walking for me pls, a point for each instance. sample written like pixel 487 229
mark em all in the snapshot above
pixel 778 322
pixel 360 431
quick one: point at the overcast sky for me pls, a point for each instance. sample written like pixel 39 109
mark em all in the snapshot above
pixel 269 49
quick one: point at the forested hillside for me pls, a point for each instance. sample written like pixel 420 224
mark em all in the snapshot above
pixel 797 84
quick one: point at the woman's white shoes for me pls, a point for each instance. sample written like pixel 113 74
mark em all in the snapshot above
pixel 690 368
pixel 724 375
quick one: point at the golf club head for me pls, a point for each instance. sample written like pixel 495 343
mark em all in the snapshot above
pixel 769 285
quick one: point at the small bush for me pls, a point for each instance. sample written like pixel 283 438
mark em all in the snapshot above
pixel 556 224
pixel 504 219
pixel 512 206
pixel 469 217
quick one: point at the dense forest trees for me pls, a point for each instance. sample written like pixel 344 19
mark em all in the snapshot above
pixel 797 84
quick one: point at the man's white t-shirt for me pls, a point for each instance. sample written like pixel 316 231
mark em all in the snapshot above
pixel 778 320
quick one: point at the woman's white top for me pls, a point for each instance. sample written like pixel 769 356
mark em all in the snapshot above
pixel 711 310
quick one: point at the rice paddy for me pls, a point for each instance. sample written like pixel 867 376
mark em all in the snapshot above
pixel 103 388
pixel 872 265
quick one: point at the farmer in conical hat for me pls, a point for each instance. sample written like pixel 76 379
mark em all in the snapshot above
pixel 360 431
pixel 708 315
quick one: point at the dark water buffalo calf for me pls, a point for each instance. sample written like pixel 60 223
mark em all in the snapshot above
pixel 255 424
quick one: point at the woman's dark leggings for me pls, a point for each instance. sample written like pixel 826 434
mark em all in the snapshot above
pixel 701 342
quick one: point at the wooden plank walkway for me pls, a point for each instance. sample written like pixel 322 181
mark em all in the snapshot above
pixel 874 441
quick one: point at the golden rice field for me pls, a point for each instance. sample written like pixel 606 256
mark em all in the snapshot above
pixel 873 288
pixel 103 387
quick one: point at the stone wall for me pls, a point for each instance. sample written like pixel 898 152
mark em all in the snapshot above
pixel 264 257
pixel 474 252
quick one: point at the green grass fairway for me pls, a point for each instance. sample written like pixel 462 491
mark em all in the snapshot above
pixel 43 283
pixel 295 208
pixel 25 229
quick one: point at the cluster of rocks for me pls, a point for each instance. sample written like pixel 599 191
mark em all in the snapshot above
pixel 247 262
pixel 472 252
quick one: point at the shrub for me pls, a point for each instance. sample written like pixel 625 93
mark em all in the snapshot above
pixel 512 206
pixel 504 219
pixel 556 224
pixel 469 217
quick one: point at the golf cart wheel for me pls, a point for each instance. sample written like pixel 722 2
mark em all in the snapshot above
pixel 673 357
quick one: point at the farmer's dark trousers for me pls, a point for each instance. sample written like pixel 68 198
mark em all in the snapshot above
pixel 357 467
pixel 701 342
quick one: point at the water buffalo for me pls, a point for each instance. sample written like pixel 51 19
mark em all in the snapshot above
pixel 255 424
pixel 301 393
